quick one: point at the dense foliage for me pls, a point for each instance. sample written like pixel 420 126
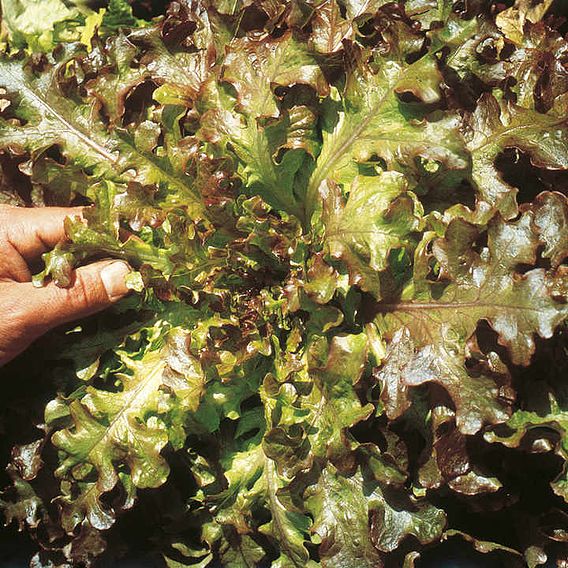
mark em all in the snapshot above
pixel 348 226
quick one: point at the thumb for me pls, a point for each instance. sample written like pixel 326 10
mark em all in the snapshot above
pixel 94 288
pixel 28 312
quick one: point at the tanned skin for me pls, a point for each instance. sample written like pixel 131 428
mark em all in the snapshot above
pixel 27 311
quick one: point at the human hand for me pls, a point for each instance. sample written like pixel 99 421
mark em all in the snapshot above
pixel 28 312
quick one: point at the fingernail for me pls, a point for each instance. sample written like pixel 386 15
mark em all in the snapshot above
pixel 113 277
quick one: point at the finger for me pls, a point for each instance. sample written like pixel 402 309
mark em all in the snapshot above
pixel 95 287
pixel 12 266
pixel 33 231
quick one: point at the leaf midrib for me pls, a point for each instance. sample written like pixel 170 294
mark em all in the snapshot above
pixel 506 131
pixel 173 179
pixel 269 473
pixel 141 388
pixel 114 160
pixel 322 169
pixel 419 306
pixel 71 128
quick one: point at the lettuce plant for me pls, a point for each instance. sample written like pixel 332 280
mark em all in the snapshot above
pixel 348 225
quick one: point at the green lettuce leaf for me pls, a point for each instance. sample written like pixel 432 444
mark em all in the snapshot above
pixel 31 22
pixel 364 241
pixel 494 127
